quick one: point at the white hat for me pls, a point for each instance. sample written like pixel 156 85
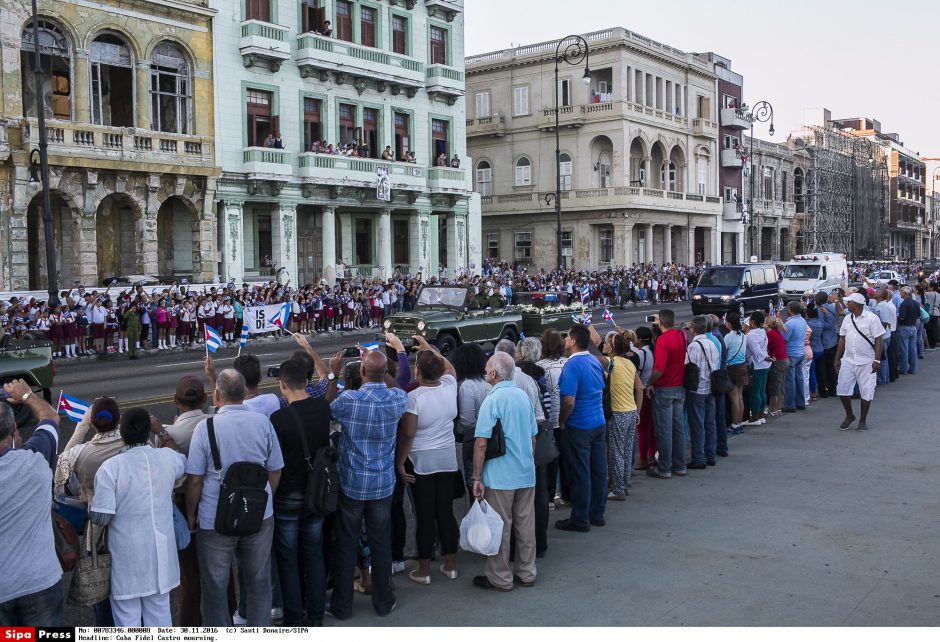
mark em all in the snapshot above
pixel 856 298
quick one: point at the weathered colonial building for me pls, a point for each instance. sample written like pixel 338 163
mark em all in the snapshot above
pixel 127 90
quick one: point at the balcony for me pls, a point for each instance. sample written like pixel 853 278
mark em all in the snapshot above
pixel 731 158
pixel 445 9
pixel 263 43
pixel 267 163
pixel 704 127
pixel 639 112
pixel 767 207
pixel 327 169
pixel 446 179
pixel 445 82
pixel 494 125
pixel 606 199
pixel 732 211
pixel 354 64
pixel 735 118
pixel 568 116
pixel 97 144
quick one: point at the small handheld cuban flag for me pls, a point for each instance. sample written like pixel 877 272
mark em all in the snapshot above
pixel 365 347
pixel 72 407
pixel 585 292
pixel 280 319
pixel 244 338
pixel 213 339
pixel 608 317
pixel 583 319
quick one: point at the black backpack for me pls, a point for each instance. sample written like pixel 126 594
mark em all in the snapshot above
pixel 242 494
pixel 322 491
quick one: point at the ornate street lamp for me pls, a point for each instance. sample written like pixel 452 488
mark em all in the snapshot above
pixel 761 112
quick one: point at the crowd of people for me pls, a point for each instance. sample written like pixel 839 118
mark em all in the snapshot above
pixel 571 418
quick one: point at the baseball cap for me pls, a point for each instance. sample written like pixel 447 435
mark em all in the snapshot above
pixel 189 389
pixel 855 297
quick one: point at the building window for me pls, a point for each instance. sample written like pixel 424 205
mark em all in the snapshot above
pixel 605 243
pixel 313 16
pixel 482 104
pixel 564 171
pixel 702 167
pixel 523 246
pixel 783 186
pixel 731 142
pixel 402 135
pixel 344 29
pixel 669 176
pixel 399 34
pixel 564 95
pixel 170 90
pixel 438 46
pixel 264 255
pixel 261 121
pixel 603 170
pixel 367 26
pixel 492 245
pixel 313 125
pixel 363 241
pixel 55 57
pixel 112 82
pixel 439 146
pixel 729 102
pixel 520 101
pixel 768 183
pixel 400 245
pixel 523 172
pixel 566 243
pixel 370 132
pixel 484 178
pixel 258 10
pixel 348 132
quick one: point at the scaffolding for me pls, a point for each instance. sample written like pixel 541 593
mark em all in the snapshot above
pixel 846 193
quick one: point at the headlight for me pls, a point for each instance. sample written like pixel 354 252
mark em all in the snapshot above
pixel 421 326
pixel 726 297
pixel 781 291
pixel 387 324
pixel 697 297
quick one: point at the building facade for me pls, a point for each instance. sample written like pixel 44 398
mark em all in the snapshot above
pixel 639 153
pixel 124 86
pixel 734 120
pixel 933 206
pixel 388 79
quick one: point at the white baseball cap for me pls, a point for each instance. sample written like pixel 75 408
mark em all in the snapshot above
pixel 855 297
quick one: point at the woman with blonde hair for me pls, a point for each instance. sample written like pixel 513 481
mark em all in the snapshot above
pixel 777 349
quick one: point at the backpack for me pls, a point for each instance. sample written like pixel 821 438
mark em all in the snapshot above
pixel 322 491
pixel 243 497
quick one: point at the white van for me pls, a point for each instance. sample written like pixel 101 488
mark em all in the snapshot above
pixel 812 273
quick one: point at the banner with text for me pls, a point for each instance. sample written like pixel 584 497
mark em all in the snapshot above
pixel 258 319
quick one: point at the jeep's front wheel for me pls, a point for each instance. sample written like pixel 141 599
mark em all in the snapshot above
pixel 510 334
pixel 446 343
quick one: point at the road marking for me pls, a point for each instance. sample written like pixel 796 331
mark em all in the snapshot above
pixel 156 401
pixel 199 363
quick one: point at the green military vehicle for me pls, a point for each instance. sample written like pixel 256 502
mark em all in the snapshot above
pixel 447 316
pixel 29 359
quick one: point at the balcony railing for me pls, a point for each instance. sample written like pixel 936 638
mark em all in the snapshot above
pixel 264 43
pixel 731 158
pixel 99 142
pixel 732 211
pixel 267 161
pixel 704 127
pixel 332 169
pixel 494 125
pixel 446 179
pixel 609 197
pixel 445 81
pixel 317 53
pixel 735 118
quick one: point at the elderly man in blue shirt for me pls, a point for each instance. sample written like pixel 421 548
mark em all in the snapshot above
pixel 794 336
pixel 507 481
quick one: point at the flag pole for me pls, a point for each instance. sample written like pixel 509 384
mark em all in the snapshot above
pixel 57 408
pixel 206 339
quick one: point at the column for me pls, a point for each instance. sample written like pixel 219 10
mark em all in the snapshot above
pixel 147 229
pixel 232 250
pixel 81 106
pixel 204 237
pixel 668 105
pixel 649 242
pixel 142 97
pixel 284 239
pixel 384 245
pixel 345 233
pixel 667 244
pixel 19 249
pixel 628 259
pixel 328 241
pixel 713 258
pixel 419 242
pixel 691 245
pixel 456 243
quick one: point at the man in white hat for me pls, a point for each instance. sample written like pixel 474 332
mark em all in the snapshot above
pixel 858 358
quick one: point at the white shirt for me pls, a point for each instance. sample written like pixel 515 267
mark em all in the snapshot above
pixel 756 341
pixel 528 385
pixel 858 352
pixel 553 368
pixel 136 486
pixel 432 449
pixel 888 315
pixel 98 315
pixel 703 353
pixel 266 404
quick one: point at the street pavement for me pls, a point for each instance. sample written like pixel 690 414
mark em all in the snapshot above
pixel 802 525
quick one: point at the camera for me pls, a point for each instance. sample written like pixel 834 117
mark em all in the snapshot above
pixel 274 372
pixel 652 318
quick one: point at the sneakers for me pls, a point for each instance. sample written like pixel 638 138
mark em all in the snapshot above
pixel 652 472
pixel 617 497
pixel 398 566
pixel 846 423
pixel 277 614
pixel 238 620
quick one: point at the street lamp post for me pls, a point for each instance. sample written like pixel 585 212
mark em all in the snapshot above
pixel 855 199
pixel 762 112
pixel 934 211
pixel 48 231
pixel 574 52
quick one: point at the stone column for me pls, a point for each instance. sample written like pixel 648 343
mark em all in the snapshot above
pixel 142 97
pixel 667 244
pixel 456 242
pixel 384 246
pixel 328 241
pixel 714 259
pixel 232 250
pixel 19 249
pixel 691 245
pixel 81 105
pixel 419 243
pixel 649 242
pixel 284 238
pixel 346 241
pixel 628 245
pixel 147 262
pixel 86 247
pixel 205 258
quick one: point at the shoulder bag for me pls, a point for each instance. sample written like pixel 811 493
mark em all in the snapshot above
pixel 720 380
pixel 91 579
pixel 321 496
pixel 243 496
pixel 496 444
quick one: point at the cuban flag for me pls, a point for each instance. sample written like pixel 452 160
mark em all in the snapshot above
pixel 244 338
pixel 585 292
pixel 73 407
pixel 583 319
pixel 280 319
pixel 608 317
pixel 213 339
pixel 365 347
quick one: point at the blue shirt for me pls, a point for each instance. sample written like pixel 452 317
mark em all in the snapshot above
pixel 509 404
pixel 719 346
pixel 818 326
pixel 369 417
pixel 583 378
pixel 794 335
pixel 736 348
pixel 830 329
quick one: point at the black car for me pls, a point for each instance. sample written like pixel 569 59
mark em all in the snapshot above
pixel 736 288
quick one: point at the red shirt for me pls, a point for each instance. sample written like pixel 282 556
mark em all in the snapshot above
pixel 669 358
pixel 776 346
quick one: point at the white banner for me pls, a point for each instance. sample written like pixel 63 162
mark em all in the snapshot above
pixel 258 319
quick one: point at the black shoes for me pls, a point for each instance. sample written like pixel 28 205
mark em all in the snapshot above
pixel 696 466
pixel 518 580
pixel 566 525
pixel 598 522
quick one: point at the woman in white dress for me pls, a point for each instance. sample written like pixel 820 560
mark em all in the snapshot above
pixel 133 498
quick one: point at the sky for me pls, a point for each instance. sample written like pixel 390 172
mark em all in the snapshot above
pixel 856 58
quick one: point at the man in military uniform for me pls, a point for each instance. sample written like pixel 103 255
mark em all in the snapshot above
pixel 479 300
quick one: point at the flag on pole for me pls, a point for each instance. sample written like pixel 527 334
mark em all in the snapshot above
pixel 585 292
pixel 583 319
pixel 73 407
pixel 244 338
pixel 280 319
pixel 608 317
pixel 213 339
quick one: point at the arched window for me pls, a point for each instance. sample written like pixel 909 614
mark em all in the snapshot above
pixel 523 172
pixel 603 170
pixel 484 178
pixel 564 171
pixel 669 176
pixel 170 90
pixel 112 81
pixel 55 57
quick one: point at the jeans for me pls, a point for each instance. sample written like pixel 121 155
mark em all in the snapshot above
pixel 349 517
pixel 253 554
pixel 793 392
pixel 42 608
pixel 668 425
pixel 586 463
pixel 883 369
pixel 907 360
pixel 701 411
pixel 298 547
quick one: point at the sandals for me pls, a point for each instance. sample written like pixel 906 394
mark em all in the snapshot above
pixel 359 588
pixel 451 575
pixel 426 579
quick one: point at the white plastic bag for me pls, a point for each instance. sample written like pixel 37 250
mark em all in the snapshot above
pixel 481 531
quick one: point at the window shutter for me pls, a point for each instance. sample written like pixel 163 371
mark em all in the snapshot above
pixel 483 105
pixel 520 101
pixel 275 124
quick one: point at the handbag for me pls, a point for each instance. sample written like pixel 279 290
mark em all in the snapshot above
pixel 546 450
pixel 91 580
pixel 66 541
pixel 496 444
pixel 605 398
pixel 924 315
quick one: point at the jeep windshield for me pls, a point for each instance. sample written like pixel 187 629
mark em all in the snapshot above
pixel 801 272
pixel 442 296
